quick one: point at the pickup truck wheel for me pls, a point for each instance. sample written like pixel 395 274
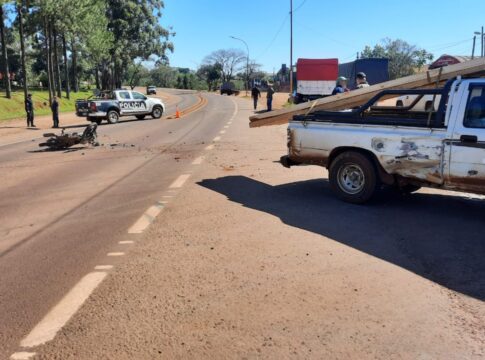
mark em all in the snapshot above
pixel 140 117
pixel 353 177
pixel 113 117
pixel 157 112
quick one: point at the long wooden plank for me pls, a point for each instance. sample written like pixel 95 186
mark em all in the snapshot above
pixel 360 96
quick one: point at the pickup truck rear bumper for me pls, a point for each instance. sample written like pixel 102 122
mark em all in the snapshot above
pixel 287 162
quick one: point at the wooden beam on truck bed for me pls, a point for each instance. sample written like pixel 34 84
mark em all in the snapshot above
pixel 359 97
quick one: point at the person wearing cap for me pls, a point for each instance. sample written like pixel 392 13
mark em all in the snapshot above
pixel 29 109
pixel 361 80
pixel 341 86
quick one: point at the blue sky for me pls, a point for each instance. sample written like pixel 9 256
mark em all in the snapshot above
pixel 322 28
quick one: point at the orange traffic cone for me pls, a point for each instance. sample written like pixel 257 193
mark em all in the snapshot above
pixel 177 113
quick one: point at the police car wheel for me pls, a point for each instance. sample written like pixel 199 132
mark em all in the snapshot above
pixel 157 112
pixel 113 117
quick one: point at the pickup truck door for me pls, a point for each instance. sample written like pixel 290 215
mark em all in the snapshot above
pixel 125 102
pixel 467 152
pixel 139 103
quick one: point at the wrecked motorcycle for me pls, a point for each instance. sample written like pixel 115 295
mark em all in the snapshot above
pixel 66 140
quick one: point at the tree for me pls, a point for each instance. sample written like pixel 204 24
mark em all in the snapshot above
pixel 137 33
pixel 3 43
pixel 404 59
pixel 211 74
pixel 230 61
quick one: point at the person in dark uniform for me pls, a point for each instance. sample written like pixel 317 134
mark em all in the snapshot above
pixel 255 94
pixel 269 97
pixel 29 109
pixel 55 112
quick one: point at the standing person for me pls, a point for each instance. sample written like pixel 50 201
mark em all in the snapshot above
pixel 55 112
pixel 269 96
pixel 29 109
pixel 255 94
pixel 361 80
pixel 341 86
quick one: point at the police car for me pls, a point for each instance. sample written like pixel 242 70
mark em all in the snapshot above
pixel 113 105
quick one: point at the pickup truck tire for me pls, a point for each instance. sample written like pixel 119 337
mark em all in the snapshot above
pixel 113 116
pixel 157 112
pixel 353 177
pixel 140 117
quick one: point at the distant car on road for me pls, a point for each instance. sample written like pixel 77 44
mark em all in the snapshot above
pixel 228 88
pixel 151 90
pixel 112 105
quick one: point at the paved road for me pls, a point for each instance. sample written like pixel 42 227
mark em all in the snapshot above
pixel 61 212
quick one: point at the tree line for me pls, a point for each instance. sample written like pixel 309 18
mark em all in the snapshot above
pixel 60 43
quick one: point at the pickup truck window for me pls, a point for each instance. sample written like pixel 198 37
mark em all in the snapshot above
pixel 475 112
pixel 124 95
pixel 138 96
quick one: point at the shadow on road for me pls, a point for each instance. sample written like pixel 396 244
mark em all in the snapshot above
pixel 435 236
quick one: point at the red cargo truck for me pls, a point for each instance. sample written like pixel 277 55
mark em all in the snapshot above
pixel 315 78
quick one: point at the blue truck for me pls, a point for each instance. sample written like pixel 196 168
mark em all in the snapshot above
pixel 376 69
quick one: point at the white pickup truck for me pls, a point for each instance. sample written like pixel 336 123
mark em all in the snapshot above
pixel 374 146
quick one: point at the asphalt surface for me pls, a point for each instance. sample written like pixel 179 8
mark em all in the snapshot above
pixel 61 212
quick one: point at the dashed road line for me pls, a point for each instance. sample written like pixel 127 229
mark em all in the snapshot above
pixel 217 138
pixel 226 127
pixel 198 161
pixel 126 242
pixel 116 254
pixel 60 314
pixel 210 147
pixel 103 267
pixel 146 219
pixel 222 132
pixel 180 181
pixel 22 355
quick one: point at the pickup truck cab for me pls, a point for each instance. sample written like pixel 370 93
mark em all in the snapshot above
pixel 374 146
pixel 112 105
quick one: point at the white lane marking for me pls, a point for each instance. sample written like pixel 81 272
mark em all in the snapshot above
pixel 60 314
pixel 217 138
pixel 103 267
pixel 226 127
pixel 146 219
pixel 222 132
pixel 210 147
pixel 22 355
pixel 126 242
pixel 116 254
pixel 180 181
pixel 198 161
pixel 168 196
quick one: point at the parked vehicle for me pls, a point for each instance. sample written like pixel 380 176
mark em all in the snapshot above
pixel 374 146
pixel 111 106
pixel 228 88
pixel 315 78
pixel 151 90
pixel 375 69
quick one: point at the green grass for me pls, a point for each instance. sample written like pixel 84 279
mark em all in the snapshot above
pixel 14 108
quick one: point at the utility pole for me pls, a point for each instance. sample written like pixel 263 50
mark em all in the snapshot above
pixel 473 48
pixel 291 47
pixel 247 62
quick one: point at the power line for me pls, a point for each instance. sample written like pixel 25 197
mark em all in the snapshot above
pixel 275 37
pixel 300 6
